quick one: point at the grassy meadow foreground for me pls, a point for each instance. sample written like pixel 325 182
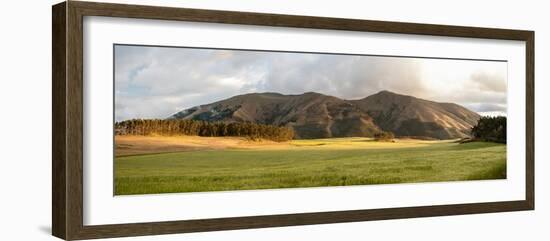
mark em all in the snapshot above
pixel 160 164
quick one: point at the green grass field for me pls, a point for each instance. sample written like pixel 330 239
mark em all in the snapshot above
pixel 309 163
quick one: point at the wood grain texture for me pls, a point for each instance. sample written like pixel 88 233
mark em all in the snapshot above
pixel 122 230
pixel 67 78
pixel 75 125
pixel 58 121
pixel 264 19
pixel 530 120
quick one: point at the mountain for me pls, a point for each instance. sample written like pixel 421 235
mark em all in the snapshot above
pixel 410 116
pixel 311 115
pixel 314 115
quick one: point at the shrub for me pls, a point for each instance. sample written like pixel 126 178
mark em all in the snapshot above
pixel 384 136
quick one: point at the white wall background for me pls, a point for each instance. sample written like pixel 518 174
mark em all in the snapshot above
pixel 25 134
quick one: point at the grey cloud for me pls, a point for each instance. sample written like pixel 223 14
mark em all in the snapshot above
pixel 486 107
pixel 154 82
pixel 349 77
pixel 373 74
pixel 485 91
pixel 489 81
pixel 474 96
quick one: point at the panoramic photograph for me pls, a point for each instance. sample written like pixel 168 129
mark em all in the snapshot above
pixel 201 120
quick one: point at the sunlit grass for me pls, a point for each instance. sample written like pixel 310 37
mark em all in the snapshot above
pixel 310 163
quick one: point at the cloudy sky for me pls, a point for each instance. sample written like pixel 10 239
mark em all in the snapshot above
pixel 155 82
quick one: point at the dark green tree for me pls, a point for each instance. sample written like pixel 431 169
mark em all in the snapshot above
pixel 490 129
pixel 203 128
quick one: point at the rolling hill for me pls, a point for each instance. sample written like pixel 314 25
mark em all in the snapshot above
pixel 314 115
pixel 410 116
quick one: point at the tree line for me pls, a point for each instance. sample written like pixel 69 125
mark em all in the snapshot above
pixel 203 128
pixel 490 129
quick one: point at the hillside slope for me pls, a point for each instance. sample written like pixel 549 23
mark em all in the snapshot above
pixel 410 116
pixel 314 115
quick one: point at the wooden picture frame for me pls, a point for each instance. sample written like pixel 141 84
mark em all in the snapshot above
pixel 67 122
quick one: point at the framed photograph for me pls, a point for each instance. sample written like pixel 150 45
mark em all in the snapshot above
pixel 171 120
